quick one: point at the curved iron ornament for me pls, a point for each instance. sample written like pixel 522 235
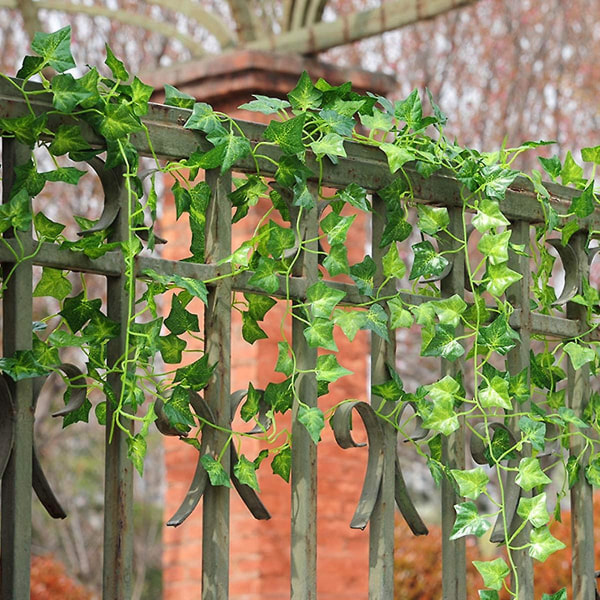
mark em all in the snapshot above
pixel 341 424
pixel 39 481
pixel 200 480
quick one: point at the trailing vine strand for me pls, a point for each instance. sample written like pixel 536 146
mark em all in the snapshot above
pixel 513 417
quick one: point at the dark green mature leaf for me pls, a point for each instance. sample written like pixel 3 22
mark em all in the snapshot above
pixel 16 213
pixel 376 320
pixel 197 375
pixel 78 310
pixel 55 48
pixel 46 229
pixel 282 463
pixel 251 330
pixel 69 175
pixel 118 121
pixel 265 275
pixel 443 343
pixel 177 409
pixel 391 390
pixel 312 418
pixel 363 274
pixel 468 521
pixel 200 196
pixel 173 97
pixel 215 470
pixel 427 261
pixel 67 138
pixel 319 334
pixel 22 365
pixel 67 92
pixel 323 299
pixel 287 134
pixel 171 348
pixel 250 407
pixel 291 170
pixel 583 205
pixel 31 65
pixel 279 396
pixel 552 166
pixel 329 369
pixel 488 595
pixel 258 305
pixel 493 572
pixel 116 66
pixel 410 110
pixel 543 544
pixel 230 147
pixel 305 95
pixel 180 320
pixel 101 329
pixel 26 130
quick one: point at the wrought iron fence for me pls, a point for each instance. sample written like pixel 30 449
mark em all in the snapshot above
pixel 368 168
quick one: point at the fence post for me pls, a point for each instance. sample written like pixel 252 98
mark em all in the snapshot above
pixel 17 335
pixel 582 500
pixel 217 327
pixel 454 584
pixel 304 450
pixel 118 469
pixel 381 525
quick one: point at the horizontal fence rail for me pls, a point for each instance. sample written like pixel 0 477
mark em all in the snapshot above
pixel 368 168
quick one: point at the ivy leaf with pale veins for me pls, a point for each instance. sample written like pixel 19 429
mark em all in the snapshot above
pixel 449 310
pixel 534 432
pixel 323 299
pixel 336 227
pixel 530 474
pixel 171 348
pixel 279 396
pixel 231 147
pixel 471 482
pixel 204 118
pixel 571 172
pixel 497 179
pixel 26 129
pixel 279 239
pixel 117 122
pixel 55 48
pixel 67 92
pixel 534 510
pixel 319 334
pixel 500 278
pixel 265 275
pixel 177 409
pixel 200 196
pixel 432 218
pixel 250 407
pixel 285 362
pixel 468 521
pixel 396 156
pixel 258 305
pixel 495 393
pixel 287 134
pixel 265 105
pixel 377 321
pixel 579 355
pixel 356 196
pixel 251 330
pixel 329 369
pixel 16 213
pixel 443 343
pixel 498 336
pixel 399 316
pixel 336 262
pixel 331 145
pixel 560 595
pixel 493 572
pixel 495 247
pixel 196 375
pixel 488 215
pixel 215 470
pixel 245 471
pixel 78 310
pixel 312 418
pixel 67 138
pixel 349 321
pixel 363 274
pixel 305 95
pixel 427 261
pixel 173 97
pixel 117 68
pixel 337 123
pixel 543 544
pixel 393 265
pixel 441 416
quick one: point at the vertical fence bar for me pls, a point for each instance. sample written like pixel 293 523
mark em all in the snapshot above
pixel 217 328
pixel 582 500
pixel 304 450
pixel 118 469
pixel 454 584
pixel 17 335
pixel 518 359
pixel 381 526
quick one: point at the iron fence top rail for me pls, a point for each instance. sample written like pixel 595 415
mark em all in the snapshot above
pixel 365 165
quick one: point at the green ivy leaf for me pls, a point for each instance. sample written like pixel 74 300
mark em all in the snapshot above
pixel 31 65
pixel 498 336
pixel 336 262
pixel 322 299
pixel 67 93
pixel 177 409
pixel 305 95
pixel 117 122
pixel 497 179
pixel 488 216
pixel 171 348
pixel 329 369
pixel 378 121
pixel 356 196
pixel 363 274
pixel 101 329
pixel 571 172
pixel 450 309
pixel 279 396
pixel 349 321
pixel 55 48
pixel 279 239
pixel 552 166
pixel 583 205
pixel 282 463
pixel 27 130
pixel 543 544
pixel 319 334
pixel 196 375
pixel 560 595
pixel 136 451
pixel 427 262
pixel 530 474
pixel 442 417
pixel 443 343
pixel 472 482
pixel 446 389
pixel 579 355
pixel 117 68
pixel 230 147
pixel 285 362
pixel 393 265
pixel 592 472
pixel 495 247
pixel 396 156
pixel 287 134
pixel 265 105
pixel 488 595
pixel 251 330
pixel 534 510
pixel 65 174
pixel 312 418
pixel 410 110
pixel 495 393
pixel 173 97
pixel 204 118
pixel 493 572
pixel 377 321
pixel 245 471
pixel 502 446
pixel 572 468
pixel 78 310
pixel 519 387
pixel 399 316
pixel 250 407
pixel 215 470
pixel 336 227
pixel 468 521
pixel 265 276
pixel 432 218
pixel 534 432
pixel 180 320
pixel 258 305
pixel 335 122
pixel 331 145
pixel 67 138
pixel 500 278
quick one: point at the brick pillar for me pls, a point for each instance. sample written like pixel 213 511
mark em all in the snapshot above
pixel 260 565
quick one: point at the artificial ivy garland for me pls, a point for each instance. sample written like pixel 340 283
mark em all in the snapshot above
pixel 505 412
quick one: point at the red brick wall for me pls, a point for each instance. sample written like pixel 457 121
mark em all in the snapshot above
pixel 260 564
